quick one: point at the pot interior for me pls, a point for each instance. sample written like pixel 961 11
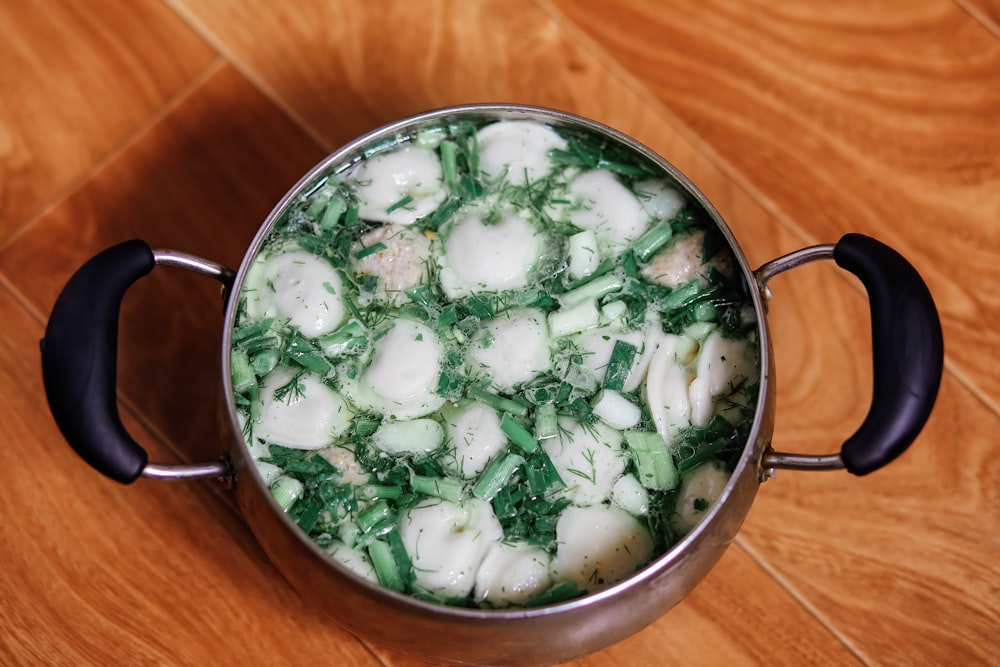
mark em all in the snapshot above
pixel 497 360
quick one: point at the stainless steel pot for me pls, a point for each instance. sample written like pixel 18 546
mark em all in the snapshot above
pixel 78 355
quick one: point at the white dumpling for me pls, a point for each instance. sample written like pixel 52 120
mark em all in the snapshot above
pixel 486 258
pixel 474 438
pixel 588 459
pixel 659 199
pixel 306 415
pixel 384 180
pixel 700 489
pixel 723 364
pixel 401 266
pixel 599 546
pixel 517 150
pixel 667 383
pixel 599 202
pixel 512 574
pixel 447 543
pixel 296 286
pixel 402 378
pixel 512 348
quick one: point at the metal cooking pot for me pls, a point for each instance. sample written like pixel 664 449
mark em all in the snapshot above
pixel 79 366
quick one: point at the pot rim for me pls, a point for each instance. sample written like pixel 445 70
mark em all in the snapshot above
pixel 401 130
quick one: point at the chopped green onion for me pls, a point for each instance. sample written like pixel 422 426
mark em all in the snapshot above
pixel 334 210
pixel 496 475
pixel 654 466
pixel 379 492
pixel 449 166
pixel 649 243
pixel 405 201
pixel 242 372
pixel 592 289
pixel 286 491
pixel 386 568
pixel 619 365
pixel 251 331
pixel 265 361
pixel 499 402
pixel 376 515
pixel 370 250
pixel 573 319
pixel 682 295
pixel 440 487
pixel 301 352
pixel 348 340
pixel 517 434
pixel 546 422
pixel 615 410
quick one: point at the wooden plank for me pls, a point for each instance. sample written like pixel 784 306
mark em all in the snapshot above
pixel 827 116
pixel 77 80
pixel 986 12
pixel 202 181
pixel 97 573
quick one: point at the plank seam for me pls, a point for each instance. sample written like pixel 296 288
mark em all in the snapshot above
pixel 114 153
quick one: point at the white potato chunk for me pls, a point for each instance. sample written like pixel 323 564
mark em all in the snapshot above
pixel 629 494
pixel 517 151
pixel 387 178
pixel 682 262
pixel 588 459
pixel 660 199
pixel 402 378
pixel 512 574
pixel 700 489
pixel 306 414
pixel 600 202
pixel 723 364
pixel 296 286
pixel 599 546
pixel 401 266
pixel 512 348
pixel 353 560
pixel 447 543
pixel 474 438
pixel 484 258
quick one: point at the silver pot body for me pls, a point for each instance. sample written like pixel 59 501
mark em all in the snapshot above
pixel 546 635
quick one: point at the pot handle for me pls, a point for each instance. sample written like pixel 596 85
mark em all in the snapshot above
pixel 80 359
pixel 907 351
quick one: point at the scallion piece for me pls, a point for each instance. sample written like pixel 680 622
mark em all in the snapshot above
pixel 449 166
pixel 592 289
pixel 241 370
pixel 377 514
pixel 654 466
pixel 546 422
pixel 499 402
pixel 386 568
pixel 379 492
pixel 649 243
pixel 370 250
pixel 334 210
pixel 286 491
pixel 682 295
pixel 440 487
pixel 348 340
pixel 517 434
pixel 265 361
pixel 405 201
pixel 496 475
pixel 619 365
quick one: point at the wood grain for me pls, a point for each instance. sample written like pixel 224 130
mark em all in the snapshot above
pixel 77 81
pixel 797 123
pixel 986 12
pixel 841 128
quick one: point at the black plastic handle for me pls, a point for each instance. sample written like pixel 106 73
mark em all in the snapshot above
pixel 80 360
pixel 907 351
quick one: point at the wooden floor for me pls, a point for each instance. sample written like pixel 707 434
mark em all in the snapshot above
pixel 183 122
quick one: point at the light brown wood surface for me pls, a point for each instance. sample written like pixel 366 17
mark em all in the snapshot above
pixel 183 122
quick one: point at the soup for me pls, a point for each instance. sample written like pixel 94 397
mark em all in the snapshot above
pixel 493 365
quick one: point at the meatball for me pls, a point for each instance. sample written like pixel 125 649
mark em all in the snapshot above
pixel 682 261
pixel 400 266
